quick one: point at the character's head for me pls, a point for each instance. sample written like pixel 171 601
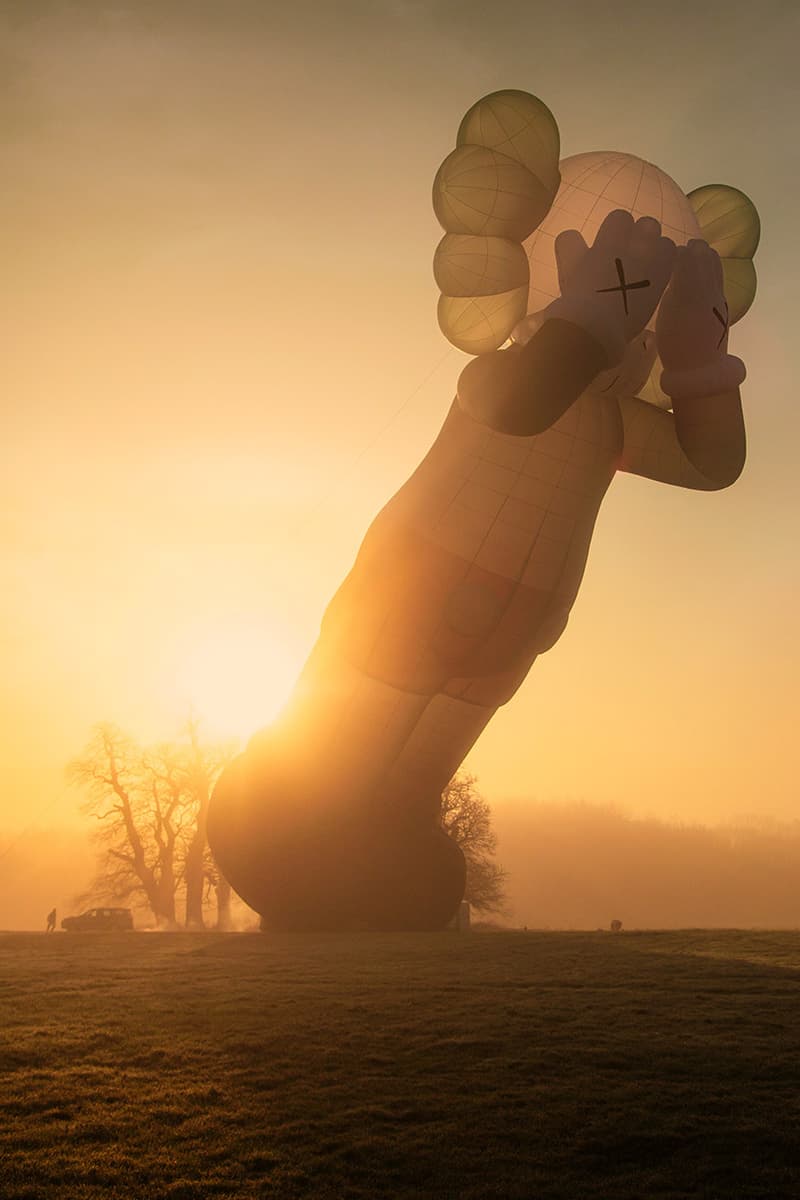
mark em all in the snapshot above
pixel 503 197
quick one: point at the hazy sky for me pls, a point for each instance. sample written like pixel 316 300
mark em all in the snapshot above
pixel 221 357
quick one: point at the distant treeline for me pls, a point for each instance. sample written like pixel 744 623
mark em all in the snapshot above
pixel 579 866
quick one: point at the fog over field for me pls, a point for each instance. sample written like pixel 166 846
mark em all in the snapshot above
pixel 572 866
pixel 579 866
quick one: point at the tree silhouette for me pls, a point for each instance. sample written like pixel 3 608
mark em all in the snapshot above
pixel 467 819
pixel 150 805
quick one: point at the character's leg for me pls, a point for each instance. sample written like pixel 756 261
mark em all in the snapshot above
pixel 305 864
pixel 431 754
pixel 342 796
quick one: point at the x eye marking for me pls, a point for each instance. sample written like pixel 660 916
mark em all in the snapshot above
pixel 624 287
pixel 723 322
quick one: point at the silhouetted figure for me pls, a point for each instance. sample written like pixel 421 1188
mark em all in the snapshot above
pixel 51 921
pixel 616 926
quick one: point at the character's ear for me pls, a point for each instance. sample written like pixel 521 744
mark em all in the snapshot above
pixel 484 285
pixel 520 126
pixel 729 223
pixel 494 189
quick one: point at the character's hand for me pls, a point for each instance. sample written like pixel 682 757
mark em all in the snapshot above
pixel 612 287
pixel 692 327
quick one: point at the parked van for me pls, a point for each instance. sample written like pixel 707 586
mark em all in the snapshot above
pixel 98 920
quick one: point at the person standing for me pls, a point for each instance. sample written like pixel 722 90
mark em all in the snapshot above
pixel 51 921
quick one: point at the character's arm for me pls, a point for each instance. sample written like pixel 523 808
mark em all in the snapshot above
pixel 525 389
pixel 609 291
pixel 701 444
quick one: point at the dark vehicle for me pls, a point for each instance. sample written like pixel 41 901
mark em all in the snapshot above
pixel 99 920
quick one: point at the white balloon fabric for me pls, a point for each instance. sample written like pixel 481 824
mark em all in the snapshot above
pixel 592 186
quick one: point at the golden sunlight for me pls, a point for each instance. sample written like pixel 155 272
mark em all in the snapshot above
pixel 236 678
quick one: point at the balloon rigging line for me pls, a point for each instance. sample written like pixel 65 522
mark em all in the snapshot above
pixel 334 489
pixel 323 500
pixel 361 455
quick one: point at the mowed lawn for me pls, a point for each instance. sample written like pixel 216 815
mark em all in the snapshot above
pixel 505 1065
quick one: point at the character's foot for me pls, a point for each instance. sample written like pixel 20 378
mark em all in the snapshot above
pixel 305 867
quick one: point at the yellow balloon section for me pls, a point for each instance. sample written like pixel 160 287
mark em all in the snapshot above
pixel 478 324
pixel 489 194
pixel 739 283
pixel 730 223
pixel 469 266
pixel 728 219
pixel 519 126
pixel 479 191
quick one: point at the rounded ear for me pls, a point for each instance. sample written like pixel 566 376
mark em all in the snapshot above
pixel 520 126
pixel 489 194
pixel 466 265
pixel 739 285
pixel 480 191
pixel 728 219
pixel 730 224
pixel 478 324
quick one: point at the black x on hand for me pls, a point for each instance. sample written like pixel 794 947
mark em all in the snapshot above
pixel 624 287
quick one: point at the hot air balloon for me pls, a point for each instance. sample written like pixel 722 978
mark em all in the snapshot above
pixel 330 819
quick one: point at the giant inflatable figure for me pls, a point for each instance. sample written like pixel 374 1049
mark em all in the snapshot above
pixel 597 299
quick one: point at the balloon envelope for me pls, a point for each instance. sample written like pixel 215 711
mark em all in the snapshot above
pixel 728 220
pixel 739 282
pixel 465 265
pixel 520 126
pixel 480 191
pixel 478 324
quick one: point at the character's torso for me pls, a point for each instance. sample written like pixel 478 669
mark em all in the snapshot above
pixel 474 564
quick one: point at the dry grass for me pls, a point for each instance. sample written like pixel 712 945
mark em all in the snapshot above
pixel 515 1066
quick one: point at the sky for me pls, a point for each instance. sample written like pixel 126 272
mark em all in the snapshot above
pixel 221 358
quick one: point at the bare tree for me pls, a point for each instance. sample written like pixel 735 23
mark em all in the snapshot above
pixel 467 818
pixel 151 806
pixel 134 805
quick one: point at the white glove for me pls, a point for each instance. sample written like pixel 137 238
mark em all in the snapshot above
pixel 612 288
pixel 692 328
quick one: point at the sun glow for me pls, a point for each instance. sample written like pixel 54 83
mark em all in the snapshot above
pixel 235 679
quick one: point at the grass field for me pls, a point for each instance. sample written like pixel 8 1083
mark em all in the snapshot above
pixel 505 1065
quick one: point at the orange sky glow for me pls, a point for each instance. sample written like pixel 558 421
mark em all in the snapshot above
pixel 221 358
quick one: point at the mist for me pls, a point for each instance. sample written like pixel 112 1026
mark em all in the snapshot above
pixel 571 866
pixel 580 866
pixel 40 870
